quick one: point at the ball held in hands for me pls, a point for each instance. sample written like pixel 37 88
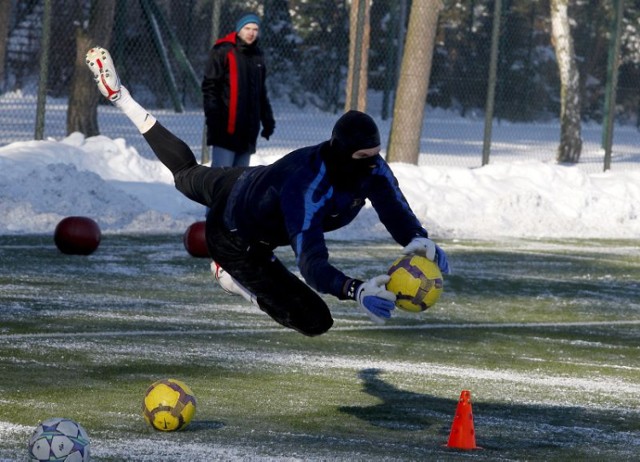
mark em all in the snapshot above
pixel 416 281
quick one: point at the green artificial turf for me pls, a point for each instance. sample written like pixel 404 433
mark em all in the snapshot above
pixel 544 334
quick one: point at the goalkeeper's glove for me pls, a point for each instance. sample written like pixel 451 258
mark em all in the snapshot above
pixel 427 248
pixel 373 297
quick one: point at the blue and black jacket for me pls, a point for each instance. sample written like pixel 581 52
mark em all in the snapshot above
pixel 293 202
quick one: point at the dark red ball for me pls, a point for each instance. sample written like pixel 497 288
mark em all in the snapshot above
pixel 77 236
pixel 195 241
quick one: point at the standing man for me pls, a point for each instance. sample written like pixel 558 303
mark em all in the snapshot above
pixel 235 95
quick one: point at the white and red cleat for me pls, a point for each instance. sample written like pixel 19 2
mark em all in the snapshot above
pixel 230 285
pixel 104 73
pixel 223 278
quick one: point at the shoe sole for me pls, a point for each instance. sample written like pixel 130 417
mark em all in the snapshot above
pixel 101 65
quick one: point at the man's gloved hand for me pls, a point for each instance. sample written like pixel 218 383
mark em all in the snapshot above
pixel 421 246
pixel 266 133
pixel 427 248
pixel 375 300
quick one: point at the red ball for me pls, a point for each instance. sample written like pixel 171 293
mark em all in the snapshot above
pixel 194 240
pixel 77 236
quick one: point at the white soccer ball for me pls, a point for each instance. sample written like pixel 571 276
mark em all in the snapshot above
pixel 59 440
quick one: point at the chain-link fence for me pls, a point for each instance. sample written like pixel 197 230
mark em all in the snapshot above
pixel 306 44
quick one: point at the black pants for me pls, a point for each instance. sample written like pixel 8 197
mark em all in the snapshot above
pixel 279 293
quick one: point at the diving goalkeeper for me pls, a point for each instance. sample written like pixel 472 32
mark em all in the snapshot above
pixel 294 201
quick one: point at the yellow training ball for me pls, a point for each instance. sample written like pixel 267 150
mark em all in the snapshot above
pixel 168 405
pixel 416 281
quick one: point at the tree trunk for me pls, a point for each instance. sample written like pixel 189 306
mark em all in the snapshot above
pixel 82 114
pixel 411 97
pixel 5 7
pixel 359 32
pixel 570 146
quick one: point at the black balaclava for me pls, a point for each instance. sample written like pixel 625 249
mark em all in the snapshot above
pixel 352 132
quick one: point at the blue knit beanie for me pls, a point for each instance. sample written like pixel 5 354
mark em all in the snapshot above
pixel 247 19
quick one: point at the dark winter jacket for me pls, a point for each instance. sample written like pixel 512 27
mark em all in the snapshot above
pixel 294 202
pixel 235 96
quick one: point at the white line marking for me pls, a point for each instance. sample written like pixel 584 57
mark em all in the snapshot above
pixel 270 330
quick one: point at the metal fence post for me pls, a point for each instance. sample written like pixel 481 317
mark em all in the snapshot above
pixel 491 87
pixel 161 50
pixel 44 71
pixel 612 82
pixel 215 32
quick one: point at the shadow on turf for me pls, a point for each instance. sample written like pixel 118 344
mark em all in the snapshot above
pixel 399 409
pixel 498 426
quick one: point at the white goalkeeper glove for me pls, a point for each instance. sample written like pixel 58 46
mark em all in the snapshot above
pixel 375 300
pixel 421 246
pixel 427 248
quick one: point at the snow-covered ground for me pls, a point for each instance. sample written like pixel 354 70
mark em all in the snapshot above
pixel 521 193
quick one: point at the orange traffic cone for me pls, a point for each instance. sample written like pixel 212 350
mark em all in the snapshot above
pixel 462 435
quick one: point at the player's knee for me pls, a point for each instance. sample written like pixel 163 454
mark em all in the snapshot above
pixel 298 307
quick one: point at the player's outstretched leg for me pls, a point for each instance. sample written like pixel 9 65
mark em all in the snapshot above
pixel 169 149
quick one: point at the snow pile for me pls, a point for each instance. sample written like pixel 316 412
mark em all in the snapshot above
pixel 41 182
